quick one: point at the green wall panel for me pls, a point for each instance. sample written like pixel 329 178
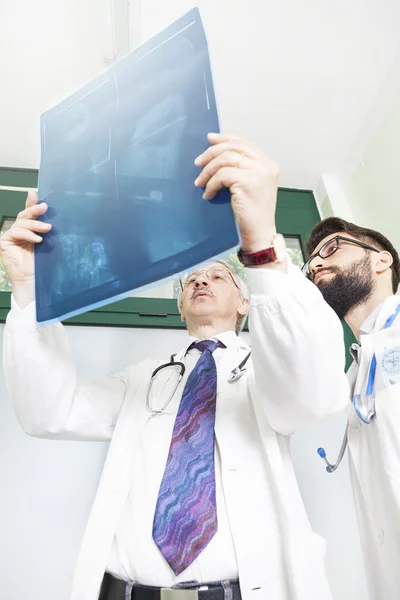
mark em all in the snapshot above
pixel 296 215
pixel 14 177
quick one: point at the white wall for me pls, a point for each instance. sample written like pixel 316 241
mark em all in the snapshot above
pixel 373 192
pixel 296 77
pixel 48 486
pixel 47 50
pixel 365 187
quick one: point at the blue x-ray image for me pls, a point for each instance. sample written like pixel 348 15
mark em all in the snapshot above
pixel 117 171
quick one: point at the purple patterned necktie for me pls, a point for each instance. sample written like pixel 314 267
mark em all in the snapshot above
pixel 185 518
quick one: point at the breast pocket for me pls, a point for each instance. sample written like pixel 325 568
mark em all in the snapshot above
pixel 388 365
pixel 388 425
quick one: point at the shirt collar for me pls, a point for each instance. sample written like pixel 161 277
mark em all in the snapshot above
pixel 228 338
pixel 369 323
pixel 376 320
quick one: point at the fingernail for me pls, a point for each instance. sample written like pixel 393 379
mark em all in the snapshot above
pixel 196 182
pixel 204 196
pixel 212 135
pixel 197 160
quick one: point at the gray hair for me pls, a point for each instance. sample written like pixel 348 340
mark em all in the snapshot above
pixel 243 289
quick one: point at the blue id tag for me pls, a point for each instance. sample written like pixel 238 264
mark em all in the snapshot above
pixel 389 365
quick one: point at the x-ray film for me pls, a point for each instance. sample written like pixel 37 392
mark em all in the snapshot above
pixel 117 171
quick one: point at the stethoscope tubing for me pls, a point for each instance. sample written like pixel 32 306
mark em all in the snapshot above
pixel 234 376
pixel 154 374
pixel 369 391
pixel 330 468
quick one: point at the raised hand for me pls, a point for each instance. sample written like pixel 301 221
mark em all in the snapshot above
pixel 16 248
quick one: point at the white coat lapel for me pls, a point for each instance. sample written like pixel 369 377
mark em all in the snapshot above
pixel 388 308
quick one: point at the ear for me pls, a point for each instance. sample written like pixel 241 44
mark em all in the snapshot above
pixel 180 309
pixel 385 261
pixel 243 307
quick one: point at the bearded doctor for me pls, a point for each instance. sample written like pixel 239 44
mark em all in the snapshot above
pixel 358 270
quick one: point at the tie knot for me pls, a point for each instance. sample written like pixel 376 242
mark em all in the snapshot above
pixel 210 345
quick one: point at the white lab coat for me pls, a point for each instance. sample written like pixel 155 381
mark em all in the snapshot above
pixel 295 377
pixel 374 457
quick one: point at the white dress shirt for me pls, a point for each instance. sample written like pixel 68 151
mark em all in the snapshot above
pixel 134 555
pixel 369 323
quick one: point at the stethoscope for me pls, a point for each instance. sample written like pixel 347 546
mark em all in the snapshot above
pixel 235 374
pixel 355 399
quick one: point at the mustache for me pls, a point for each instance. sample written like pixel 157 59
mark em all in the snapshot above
pixel 332 269
pixel 203 289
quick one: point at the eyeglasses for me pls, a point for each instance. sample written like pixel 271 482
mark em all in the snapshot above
pixel 330 248
pixel 213 274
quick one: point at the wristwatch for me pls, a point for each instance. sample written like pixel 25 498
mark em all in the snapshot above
pixel 276 253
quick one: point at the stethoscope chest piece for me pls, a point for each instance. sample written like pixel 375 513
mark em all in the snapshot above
pixel 239 371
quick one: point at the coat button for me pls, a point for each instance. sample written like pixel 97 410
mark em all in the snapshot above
pixel 381 536
pixel 119 488
pixel 355 429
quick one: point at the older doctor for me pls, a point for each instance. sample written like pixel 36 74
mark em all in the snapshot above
pixel 200 501
pixel 358 271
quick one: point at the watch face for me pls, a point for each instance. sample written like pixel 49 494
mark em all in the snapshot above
pixel 279 247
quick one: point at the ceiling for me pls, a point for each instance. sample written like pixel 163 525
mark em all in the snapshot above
pixel 298 77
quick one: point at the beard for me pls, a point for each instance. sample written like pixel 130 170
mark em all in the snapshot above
pixel 350 287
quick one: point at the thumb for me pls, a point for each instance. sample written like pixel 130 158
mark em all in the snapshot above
pixel 31 199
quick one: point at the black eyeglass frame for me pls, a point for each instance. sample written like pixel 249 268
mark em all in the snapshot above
pixel 305 267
